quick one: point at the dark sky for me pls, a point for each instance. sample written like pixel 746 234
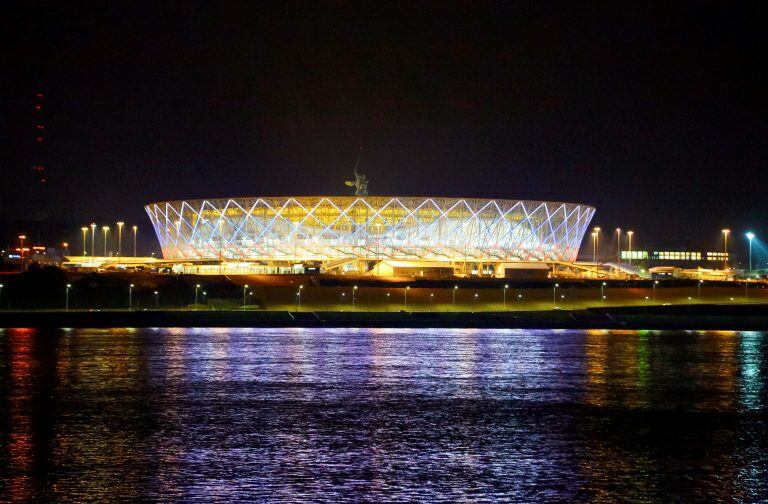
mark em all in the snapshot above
pixel 653 113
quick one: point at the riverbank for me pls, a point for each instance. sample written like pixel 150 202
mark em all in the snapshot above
pixel 693 317
pixel 53 289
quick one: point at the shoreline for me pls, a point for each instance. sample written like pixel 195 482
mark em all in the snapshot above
pixel 752 317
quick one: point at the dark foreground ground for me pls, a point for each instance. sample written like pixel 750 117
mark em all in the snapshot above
pixel 699 316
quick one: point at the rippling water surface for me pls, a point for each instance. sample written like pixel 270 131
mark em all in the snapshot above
pixel 355 415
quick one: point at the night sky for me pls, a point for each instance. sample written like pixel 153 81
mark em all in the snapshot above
pixel 655 114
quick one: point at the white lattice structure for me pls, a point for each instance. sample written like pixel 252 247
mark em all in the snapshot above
pixel 339 228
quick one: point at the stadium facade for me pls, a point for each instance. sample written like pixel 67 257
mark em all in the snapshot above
pixel 369 234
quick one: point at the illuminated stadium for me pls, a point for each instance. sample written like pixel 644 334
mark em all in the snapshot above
pixel 368 234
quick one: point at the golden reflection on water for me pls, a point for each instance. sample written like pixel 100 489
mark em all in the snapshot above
pixel 629 368
pixel 696 372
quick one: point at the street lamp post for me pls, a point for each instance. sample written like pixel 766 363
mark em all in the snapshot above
pixel 245 289
pixel 197 288
pixel 698 286
pixel 205 293
pixel 554 295
pixel 1 296
pixel 455 288
pixel 629 237
pixel 85 235
pixel 157 300
pixel 618 245
pixel 431 295
pixel 725 247
pixel 594 247
pixel 476 296
pixel 135 228
pixel 597 241
pixel 130 297
pixel 354 288
pixel 655 283
pixel 66 302
pixel 750 236
pixel 120 240
pixel 298 295
pixel 106 230
pixel 405 296
pixel 93 240
pixel 21 249
pixel 602 292
pixel 387 301
pixel 506 286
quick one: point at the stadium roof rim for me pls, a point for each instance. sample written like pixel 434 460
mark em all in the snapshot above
pixel 383 196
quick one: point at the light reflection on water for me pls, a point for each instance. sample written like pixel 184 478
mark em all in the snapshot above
pixel 377 414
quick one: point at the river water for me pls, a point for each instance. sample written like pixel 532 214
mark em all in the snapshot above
pixel 351 415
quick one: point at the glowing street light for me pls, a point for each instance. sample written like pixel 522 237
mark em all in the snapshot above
pixel 455 288
pixel 65 246
pixel 431 295
pixel 698 286
pixel 618 245
pixel 387 301
pixel 750 236
pixel 21 249
pixel 85 235
pixel 205 293
pixel 343 294
pixel 245 289
pixel 596 230
pixel 725 247
pixel 655 283
pixel 120 239
pixel 298 296
pixel 157 300
pixel 506 286
pixel 353 296
pixel 197 288
pixel 66 303
pixel 405 296
pixel 135 228
pixel 106 230
pixel 476 298
pixel 93 240
pixel 629 237
pixel 594 247
pixel 1 296
pixel 602 292
pixel 554 295
pixel 130 297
